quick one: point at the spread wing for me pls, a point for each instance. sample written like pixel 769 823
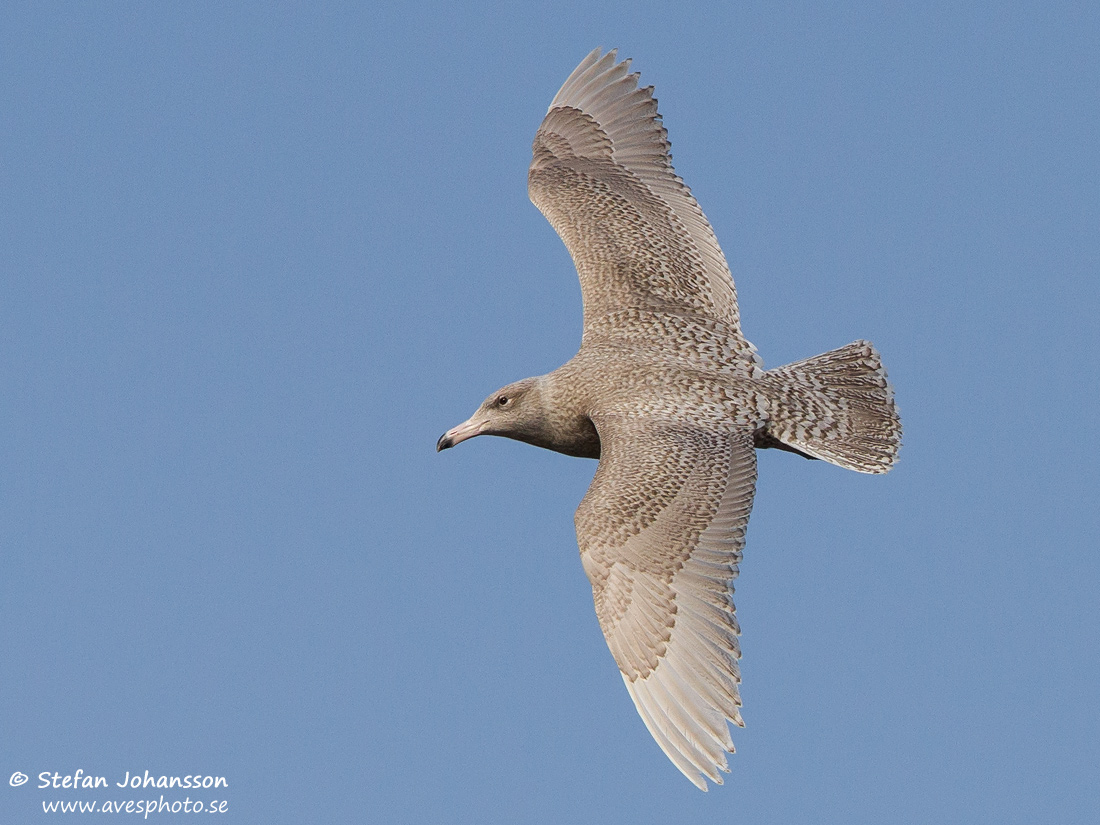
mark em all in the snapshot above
pixel 661 531
pixel 602 175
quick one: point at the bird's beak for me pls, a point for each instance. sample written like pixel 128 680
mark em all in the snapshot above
pixel 456 435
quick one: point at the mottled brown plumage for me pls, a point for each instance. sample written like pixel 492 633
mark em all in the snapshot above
pixel 672 399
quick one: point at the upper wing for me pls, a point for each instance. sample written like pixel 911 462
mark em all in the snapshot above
pixel 661 531
pixel 602 175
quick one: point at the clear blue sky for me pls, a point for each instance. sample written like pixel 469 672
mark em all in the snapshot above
pixel 254 260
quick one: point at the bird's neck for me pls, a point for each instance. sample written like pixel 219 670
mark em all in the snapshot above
pixel 565 426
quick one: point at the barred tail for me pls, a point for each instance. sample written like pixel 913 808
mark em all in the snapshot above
pixel 837 406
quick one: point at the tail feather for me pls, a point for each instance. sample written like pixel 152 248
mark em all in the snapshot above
pixel 837 406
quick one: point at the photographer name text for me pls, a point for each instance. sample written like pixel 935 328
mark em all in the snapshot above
pixel 80 779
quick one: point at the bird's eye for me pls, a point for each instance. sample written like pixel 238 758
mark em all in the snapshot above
pixel 503 401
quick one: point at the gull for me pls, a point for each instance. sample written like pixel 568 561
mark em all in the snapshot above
pixel 672 399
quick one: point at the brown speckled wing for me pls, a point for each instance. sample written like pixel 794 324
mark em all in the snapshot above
pixel 602 175
pixel 661 532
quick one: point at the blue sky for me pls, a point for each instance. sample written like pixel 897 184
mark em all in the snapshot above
pixel 254 260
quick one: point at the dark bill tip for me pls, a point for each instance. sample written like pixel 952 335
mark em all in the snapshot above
pixel 443 443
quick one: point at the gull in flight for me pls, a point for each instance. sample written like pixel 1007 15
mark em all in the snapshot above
pixel 673 400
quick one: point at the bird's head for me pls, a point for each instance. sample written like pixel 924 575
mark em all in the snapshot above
pixel 515 411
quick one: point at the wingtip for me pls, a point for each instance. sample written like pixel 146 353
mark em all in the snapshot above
pixel 595 64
